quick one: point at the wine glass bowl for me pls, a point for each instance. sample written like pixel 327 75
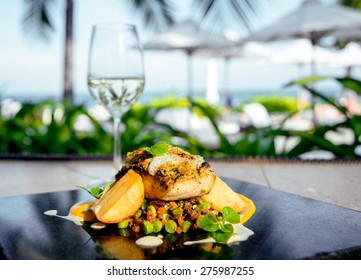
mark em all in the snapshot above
pixel 116 94
pixel 116 73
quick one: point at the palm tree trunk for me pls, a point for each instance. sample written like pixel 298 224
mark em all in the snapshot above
pixel 68 66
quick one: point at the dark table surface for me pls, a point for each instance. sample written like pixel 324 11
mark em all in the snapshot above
pixel 285 226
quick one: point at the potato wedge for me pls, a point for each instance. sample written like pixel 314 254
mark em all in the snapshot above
pixel 122 200
pixel 222 195
pixel 249 210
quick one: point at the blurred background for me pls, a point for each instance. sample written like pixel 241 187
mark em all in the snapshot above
pixel 41 58
pixel 43 62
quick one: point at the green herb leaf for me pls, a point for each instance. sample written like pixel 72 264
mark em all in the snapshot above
pixel 221 237
pixel 231 215
pixel 96 192
pixel 159 149
pixel 227 228
pixel 221 231
pixel 208 222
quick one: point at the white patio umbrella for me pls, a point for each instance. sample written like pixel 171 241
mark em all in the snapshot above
pixel 346 34
pixel 186 36
pixel 313 20
pixel 348 57
pixel 249 50
pixel 301 52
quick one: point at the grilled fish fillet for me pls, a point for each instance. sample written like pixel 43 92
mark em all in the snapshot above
pixel 174 176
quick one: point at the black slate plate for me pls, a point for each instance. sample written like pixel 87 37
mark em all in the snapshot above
pixel 286 226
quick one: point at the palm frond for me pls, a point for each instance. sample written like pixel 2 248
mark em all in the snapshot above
pixel 37 18
pixel 156 13
pixel 220 14
pixel 242 13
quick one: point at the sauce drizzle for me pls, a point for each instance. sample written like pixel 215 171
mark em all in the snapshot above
pixel 72 218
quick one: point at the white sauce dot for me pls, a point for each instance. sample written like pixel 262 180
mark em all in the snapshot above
pixel 98 225
pixel 51 212
pixel 149 242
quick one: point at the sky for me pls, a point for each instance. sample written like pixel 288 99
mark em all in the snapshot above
pixel 28 66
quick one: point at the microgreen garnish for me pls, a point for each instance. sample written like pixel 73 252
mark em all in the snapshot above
pixel 159 149
pixel 231 215
pixel 220 226
pixel 97 191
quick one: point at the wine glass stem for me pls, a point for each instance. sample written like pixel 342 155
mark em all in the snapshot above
pixel 117 154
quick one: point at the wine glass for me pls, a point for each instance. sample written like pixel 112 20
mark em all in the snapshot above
pixel 116 73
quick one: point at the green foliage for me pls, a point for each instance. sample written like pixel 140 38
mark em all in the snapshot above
pixel 51 128
pixel 315 139
pixel 142 129
pixel 255 142
pixel 277 104
pixel 261 142
pixel 351 3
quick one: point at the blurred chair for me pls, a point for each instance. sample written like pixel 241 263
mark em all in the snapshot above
pixel 258 115
pixel 184 120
